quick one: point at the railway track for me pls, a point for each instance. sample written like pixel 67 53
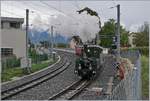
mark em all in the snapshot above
pixel 13 91
pixel 70 91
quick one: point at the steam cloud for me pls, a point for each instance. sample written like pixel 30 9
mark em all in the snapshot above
pixel 83 25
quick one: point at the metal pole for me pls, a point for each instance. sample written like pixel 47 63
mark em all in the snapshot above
pixel 56 40
pixel 118 32
pixel 27 28
pixel 52 39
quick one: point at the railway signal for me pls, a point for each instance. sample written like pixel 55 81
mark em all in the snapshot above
pixel 114 39
pixel 114 45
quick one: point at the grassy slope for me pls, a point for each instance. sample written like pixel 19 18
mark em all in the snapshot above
pixel 145 76
pixel 18 72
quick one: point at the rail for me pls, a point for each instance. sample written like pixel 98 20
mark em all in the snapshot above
pixel 69 92
pixel 20 87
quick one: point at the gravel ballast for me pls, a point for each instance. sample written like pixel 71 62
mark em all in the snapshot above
pixel 50 87
pixel 46 89
pixel 100 82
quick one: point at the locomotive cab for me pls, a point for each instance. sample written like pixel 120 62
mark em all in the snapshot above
pixel 87 60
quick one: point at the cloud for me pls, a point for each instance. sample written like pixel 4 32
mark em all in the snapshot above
pixel 133 14
pixel 84 25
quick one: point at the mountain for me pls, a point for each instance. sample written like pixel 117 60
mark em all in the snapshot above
pixel 37 36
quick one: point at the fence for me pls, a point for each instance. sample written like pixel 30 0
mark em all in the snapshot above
pixel 12 61
pixel 130 87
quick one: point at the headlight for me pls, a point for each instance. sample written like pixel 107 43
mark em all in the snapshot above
pixel 90 67
pixel 94 72
pixel 75 72
pixel 79 67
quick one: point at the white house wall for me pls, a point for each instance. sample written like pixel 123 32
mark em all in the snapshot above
pixel 15 38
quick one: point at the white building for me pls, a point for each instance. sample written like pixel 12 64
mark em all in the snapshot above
pixel 13 37
pixel 131 40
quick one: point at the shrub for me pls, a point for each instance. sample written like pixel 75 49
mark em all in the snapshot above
pixel 10 62
pixel 38 58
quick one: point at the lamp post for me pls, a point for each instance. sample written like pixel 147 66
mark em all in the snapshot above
pixel 118 33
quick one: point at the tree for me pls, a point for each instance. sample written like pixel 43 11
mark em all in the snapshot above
pixel 124 41
pixel 44 44
pixel 141 38
pixel 109 30
pixel 30 43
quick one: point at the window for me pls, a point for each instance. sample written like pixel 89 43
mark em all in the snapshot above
pixel 6 51
pixel 14 25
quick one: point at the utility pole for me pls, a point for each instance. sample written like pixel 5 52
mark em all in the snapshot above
pixel 118 32
pixel 56 40
pixel 27 29
pixel 52 28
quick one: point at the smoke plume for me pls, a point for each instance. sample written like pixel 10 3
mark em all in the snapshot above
pixel 83 25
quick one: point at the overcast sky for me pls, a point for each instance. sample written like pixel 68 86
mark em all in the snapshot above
pixel 133 13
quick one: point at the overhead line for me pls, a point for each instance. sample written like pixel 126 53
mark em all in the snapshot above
pixel 34 9
pixel 57 10
pixel 52 7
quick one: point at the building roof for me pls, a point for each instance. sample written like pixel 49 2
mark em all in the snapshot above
pixel 11 19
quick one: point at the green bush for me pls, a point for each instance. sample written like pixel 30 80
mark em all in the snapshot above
pixel 38 58
pixel 43 57
pixel 145 76
pixel 10 62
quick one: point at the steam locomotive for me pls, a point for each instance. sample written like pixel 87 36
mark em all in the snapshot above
pixel 88 61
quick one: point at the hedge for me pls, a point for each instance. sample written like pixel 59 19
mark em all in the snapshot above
pixel 10 62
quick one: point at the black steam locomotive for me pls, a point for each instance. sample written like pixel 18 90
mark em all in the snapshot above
pixel 89 60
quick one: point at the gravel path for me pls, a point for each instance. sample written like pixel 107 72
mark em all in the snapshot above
pixel 48 88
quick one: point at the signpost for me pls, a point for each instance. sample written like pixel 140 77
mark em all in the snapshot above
pixel 26 62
